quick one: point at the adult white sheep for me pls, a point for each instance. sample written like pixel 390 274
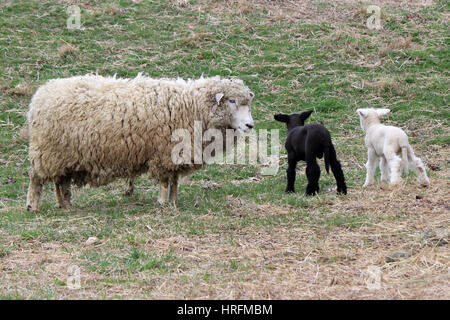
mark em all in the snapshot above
pixel 93 129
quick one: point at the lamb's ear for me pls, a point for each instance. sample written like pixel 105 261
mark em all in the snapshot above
pixel 219 97
pixel 362 112
pixel 382 112
pixel 305 115
pixel 281 117
pixel 252 95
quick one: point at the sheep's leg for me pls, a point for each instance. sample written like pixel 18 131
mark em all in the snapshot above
pixel 34 194
pixel 371 166
pixel 163 190
pixel 173 188
pixel 59 195
pixel 67 193
pixel 292 164
pixel 417 166
pixel 395 166
pixel 130 190
pixel 384 169
pixel 63 192
pixel 313 175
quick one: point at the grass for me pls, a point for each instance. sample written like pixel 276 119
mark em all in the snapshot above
pixel 234 234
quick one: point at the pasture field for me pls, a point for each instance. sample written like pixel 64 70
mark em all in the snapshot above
pixel 235 234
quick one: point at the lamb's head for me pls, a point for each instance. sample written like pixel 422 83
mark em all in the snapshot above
pixel 233 99
pixel 294 119
pixel 370 116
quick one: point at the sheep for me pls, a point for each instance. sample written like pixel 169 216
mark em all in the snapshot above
pixel 308 142
pixel 391 145
pixel 23 135
pixel 92 129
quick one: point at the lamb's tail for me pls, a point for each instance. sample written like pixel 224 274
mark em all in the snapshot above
pixel 405 158
pixel 404 145
pixel 331 159
pixel 326 156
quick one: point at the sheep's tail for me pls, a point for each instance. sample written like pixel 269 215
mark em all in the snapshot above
pixel 326 156
pixel 405 158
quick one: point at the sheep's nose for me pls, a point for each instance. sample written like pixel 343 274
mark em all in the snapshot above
pixel 250 125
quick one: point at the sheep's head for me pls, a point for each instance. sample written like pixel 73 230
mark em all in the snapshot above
pixel 368 116
pixel 234 99
pixel 294 119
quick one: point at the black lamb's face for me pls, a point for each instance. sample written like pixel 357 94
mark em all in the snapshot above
pixel 294 119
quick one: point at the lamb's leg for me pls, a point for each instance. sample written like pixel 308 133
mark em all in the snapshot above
pixel 313 175
pixel 417 166
pixel 336 168
pixel 130 190
pixel 395 166
pixel 63 192
pixel 371 166
pixel 34 194
pixel 173 188
pixel 384 169
pixel 292 164
pixel 163 190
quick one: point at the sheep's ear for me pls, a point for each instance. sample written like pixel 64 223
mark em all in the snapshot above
pixel 252 95
pixel 281 117
pixel 362 112
pixel 219 97
pixel 382 112
pixel 305 115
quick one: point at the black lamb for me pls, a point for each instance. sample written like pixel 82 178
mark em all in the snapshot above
pixel 308 142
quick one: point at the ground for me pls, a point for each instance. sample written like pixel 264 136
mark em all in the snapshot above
pixel 235 234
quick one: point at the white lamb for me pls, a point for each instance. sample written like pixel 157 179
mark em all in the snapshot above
pixel 390 144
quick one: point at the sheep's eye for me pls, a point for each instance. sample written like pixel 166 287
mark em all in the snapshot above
pixel 232 101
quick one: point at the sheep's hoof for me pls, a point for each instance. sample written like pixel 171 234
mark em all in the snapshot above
pixel 30 209
pixel 290 191
pixel 128 193
pixel 161 202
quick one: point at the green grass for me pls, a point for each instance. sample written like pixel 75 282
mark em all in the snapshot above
pixel 133 261
pixel 333 67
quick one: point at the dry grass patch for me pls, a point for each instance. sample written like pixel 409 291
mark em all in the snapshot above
pixel 342 11
pixel 67 50
pixel 19 91
pixel 389 86
pixel 112 9
pixel 40 269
